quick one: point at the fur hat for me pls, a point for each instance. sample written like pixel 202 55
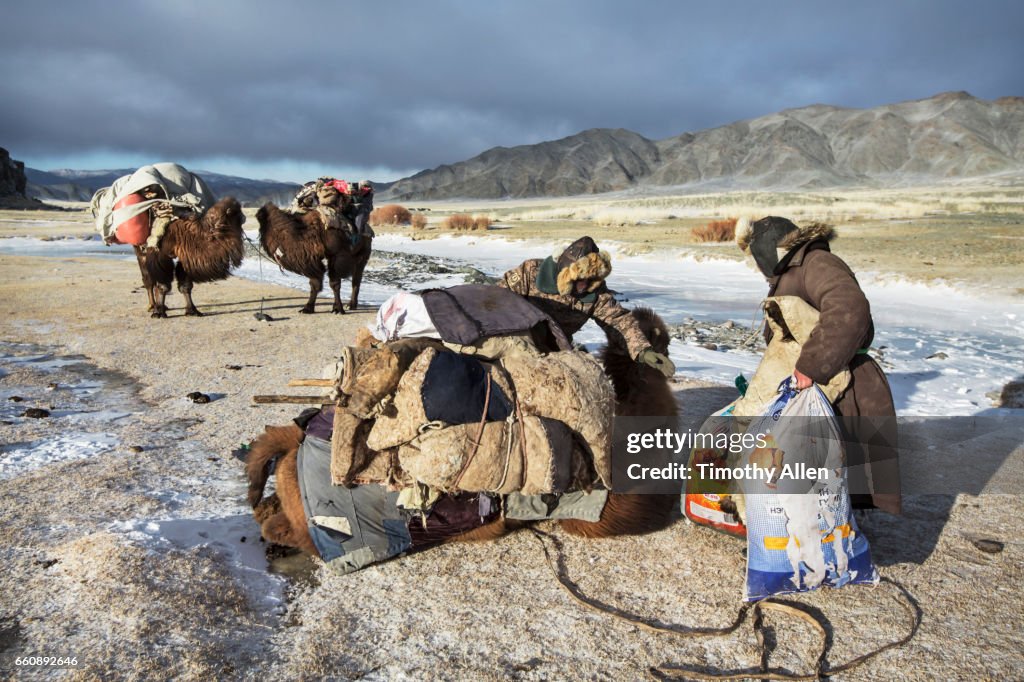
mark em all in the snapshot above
pixel 582 260
pixel 769 239
pixel 791 234
pixel 744 233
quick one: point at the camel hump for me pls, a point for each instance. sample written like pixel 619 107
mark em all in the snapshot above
pixel 230 203
pixel 264 213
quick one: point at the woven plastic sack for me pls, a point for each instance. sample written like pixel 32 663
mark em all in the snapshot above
pixel 801 533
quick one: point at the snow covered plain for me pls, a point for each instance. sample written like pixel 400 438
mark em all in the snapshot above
pixel 943 348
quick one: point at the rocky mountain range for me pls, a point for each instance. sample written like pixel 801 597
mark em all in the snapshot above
pixel 951 135
pixel 74 185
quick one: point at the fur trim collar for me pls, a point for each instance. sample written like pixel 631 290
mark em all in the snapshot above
pixel 808 233
pixel 593 266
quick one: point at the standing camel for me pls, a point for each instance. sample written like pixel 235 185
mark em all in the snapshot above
pixel 312 243
pixel 194 249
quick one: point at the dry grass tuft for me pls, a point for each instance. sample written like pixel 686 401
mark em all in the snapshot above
pixel 464 222
pixel 715 231
pixel 390 214
pixel 459 221
pixel 418 221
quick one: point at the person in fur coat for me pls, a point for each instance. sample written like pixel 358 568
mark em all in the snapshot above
pixel 797 261
pixel 571 289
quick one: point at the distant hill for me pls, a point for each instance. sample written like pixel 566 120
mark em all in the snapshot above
pixel 74 185
pixel 590 162
pixel 951 135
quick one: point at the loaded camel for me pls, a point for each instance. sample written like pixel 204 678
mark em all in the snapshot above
pixel 640 390
pixel 312 243
pixel 194 249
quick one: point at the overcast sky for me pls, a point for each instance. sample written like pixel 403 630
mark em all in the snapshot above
pixel 291 90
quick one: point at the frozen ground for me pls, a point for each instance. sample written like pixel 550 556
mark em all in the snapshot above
pixel 126 538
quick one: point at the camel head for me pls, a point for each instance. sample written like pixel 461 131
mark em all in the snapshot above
pixel 225 216
pixel 654 329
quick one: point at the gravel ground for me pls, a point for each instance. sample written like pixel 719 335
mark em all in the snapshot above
pixel 76 582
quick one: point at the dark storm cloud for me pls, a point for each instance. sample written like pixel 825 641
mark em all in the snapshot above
pixel 414 84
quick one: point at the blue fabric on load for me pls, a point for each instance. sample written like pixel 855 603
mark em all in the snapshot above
pixel 455 389
pixel 379 530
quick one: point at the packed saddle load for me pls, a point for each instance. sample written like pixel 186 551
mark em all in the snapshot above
pixel 338 201
pixel 481 405
pixel 468 397
pixel 125 211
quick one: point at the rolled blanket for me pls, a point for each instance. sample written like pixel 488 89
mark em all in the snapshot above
pixel 534 456
pixel 572 388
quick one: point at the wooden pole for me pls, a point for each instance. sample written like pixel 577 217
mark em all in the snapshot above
pixel 293 399
pixel 326 383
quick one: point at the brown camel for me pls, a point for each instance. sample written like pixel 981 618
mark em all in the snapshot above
pixel 640 390
pixel 301 243
pixel 194 249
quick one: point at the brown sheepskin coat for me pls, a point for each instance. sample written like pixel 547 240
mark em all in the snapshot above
pixel 811 272
pixel 571 313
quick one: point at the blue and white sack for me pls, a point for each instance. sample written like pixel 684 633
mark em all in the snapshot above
pixel 801 533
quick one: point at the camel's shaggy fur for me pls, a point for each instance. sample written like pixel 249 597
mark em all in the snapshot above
pixel 640 391
pixel 281 516
pixel 193 250
pixel 300 243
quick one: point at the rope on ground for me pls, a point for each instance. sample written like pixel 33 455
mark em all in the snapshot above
pixel 261 316
pixel 764 672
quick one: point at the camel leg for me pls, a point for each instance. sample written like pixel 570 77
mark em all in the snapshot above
pixel 161 274
pixel 316 285
pixel 357 276
pixel 147 281
pixel 185 287
pixel 334 277
pixel 160 291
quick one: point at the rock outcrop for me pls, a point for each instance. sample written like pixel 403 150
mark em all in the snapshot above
pixel 12 184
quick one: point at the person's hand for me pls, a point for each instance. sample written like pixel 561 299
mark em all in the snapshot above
pixel 657 361
pixel 802 380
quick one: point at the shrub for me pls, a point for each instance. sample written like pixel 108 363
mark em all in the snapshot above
pixel 418 221
pixel 481 222
pixel 716 231
pixel 459 221
pixel 390 214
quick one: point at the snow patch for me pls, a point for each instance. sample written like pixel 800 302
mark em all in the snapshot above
pixel 20 458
